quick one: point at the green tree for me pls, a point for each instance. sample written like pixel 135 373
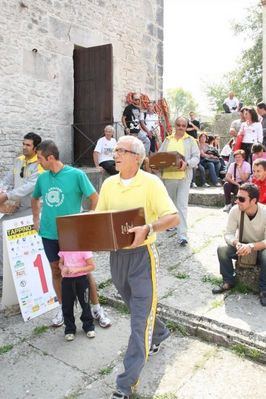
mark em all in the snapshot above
pixel 180 102
pixel 246 79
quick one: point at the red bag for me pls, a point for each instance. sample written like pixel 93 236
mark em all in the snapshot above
pixel 238 143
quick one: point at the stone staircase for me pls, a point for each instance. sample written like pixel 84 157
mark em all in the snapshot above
pixel 212 196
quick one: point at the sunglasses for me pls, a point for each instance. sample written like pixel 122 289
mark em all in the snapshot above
pixel 123 151
pixel 240 198
pixel 179 125
pixel 22 172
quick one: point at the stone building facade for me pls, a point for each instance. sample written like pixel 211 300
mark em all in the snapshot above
pixel 37 42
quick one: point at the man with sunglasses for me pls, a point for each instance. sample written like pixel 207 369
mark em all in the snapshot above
pixel 134 269
pixel 18 184
pixel 254 238
pixel 131 122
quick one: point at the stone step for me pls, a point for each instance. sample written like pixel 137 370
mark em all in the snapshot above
pixel 211 196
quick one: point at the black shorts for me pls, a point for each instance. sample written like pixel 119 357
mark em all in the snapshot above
pixel 51 249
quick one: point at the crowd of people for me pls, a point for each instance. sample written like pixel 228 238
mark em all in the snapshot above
pixel 41 182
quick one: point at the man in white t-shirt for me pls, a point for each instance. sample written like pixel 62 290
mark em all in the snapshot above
pixel 231 103
pixel 103 152
pixel 149 122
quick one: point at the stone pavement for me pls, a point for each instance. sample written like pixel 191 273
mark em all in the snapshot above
pixel 39 364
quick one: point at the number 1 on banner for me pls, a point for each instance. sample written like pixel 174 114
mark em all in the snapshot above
pixel 38 263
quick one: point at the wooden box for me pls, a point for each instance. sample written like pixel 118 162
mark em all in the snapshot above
pixel 103 231
pixel 162 160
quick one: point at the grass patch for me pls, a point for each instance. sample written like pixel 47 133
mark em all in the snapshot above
pixel 182 276
pixel 103 300
pixel 106 370
pixel 217 303
pixel 122 308
pixel 5 348
pixel 241 288
pixel 243 351
pixel 105 284
pixel 175 327
pixel 208 278
pixel 40 330
pixel 73 395
pixel 203 246
pixel 174 267
pixel 168 294
pixel 168 395
pixel 206 356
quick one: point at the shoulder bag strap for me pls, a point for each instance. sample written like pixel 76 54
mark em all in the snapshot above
pixel 241 227
pixel 235 166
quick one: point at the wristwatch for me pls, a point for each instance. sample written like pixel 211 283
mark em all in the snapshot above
pixel 151 231
pixel 252 246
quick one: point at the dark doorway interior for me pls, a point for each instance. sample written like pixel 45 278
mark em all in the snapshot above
pixel 93 99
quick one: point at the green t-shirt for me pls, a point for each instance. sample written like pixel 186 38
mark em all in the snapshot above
pixel 62 194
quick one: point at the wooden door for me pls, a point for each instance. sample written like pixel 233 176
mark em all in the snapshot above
pixel 93 99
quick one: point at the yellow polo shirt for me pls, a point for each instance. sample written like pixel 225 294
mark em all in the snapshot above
pixel 145 190
pixel 175 145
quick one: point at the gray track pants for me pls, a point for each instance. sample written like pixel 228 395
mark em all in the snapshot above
pixel 178 191
pixel 134 274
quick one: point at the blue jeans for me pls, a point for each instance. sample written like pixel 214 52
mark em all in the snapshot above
pixel 227 253
pixel 213 167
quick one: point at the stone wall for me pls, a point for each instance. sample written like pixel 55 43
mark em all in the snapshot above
pixel 222 125
pixel 37 39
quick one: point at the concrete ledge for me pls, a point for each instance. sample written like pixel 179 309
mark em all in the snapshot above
pixel 208 330
pixel 212 196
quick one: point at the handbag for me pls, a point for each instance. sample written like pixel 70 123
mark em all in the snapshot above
pixel 248 260
pixel 238 142
pixel 213 151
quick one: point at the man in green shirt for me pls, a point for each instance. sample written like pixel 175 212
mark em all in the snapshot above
pixel 62 189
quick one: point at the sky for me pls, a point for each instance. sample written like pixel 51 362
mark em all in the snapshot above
pixel 199 44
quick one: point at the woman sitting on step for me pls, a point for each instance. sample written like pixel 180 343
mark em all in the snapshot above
pixel 208 160
pixel 238 173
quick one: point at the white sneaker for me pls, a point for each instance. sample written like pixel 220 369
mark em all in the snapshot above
pixel 91 334
pixel 194 185
pixel 227 208
pixel 103 320
pixel 58 320
pixel 69 337
pixel 206 185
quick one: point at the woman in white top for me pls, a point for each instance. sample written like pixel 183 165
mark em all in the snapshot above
pixel 103 152
pixel 251 130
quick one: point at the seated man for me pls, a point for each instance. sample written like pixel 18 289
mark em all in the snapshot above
pixel 238 173
pixel 259 178
pixel 103 152
pixel 231 103
pixel 254 238
pixel 18 184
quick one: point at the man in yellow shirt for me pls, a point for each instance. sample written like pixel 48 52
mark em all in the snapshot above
pixel 177 181
pixel 134 269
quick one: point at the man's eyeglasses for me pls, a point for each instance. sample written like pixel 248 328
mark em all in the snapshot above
pixel 22 172
pixel 179 125
pixel 240 198
pixel 123 151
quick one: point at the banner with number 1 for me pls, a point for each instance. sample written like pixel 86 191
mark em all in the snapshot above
pixel 29 267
